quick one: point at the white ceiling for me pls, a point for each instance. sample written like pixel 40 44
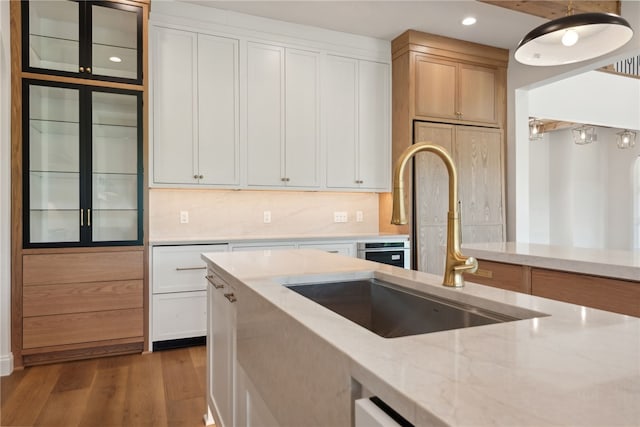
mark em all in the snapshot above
pixel 496 26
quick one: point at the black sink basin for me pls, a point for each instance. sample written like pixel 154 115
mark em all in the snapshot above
pixel 390 312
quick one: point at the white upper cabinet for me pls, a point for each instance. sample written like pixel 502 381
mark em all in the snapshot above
pixel 195 108
pixel 240 104
pixel 357 124
pixel 282 117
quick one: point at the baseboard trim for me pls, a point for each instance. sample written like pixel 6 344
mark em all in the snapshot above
pixel 6 364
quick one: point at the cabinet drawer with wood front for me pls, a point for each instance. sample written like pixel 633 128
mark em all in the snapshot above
pixel 511 277
pixel 620 296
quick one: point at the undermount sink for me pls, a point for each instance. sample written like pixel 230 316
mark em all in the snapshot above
pixel 391 311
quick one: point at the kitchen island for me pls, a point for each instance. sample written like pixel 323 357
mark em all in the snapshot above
pixel 294 362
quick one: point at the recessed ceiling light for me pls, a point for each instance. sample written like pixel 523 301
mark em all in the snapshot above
pixel 469 20
pixel 115 59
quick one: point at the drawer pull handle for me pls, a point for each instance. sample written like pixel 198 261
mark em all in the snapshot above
pixel 215 285
pixel 483 273
pixel 334 252
pixel 190 268
pixel 231 297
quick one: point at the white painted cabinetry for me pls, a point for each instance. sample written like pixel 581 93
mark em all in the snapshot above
pixel 357 124
pixel 178 303
pixel 282 117
pixel 195 86
pixel 221 350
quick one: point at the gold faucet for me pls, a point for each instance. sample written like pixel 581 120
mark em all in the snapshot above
pixel 456 262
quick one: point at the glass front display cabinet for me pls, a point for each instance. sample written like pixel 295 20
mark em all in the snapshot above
pixel 89 39
pixel 82 174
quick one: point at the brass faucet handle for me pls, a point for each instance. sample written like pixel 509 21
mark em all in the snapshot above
pixel 470 265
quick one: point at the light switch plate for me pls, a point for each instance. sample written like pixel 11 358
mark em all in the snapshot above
pixel 266 215
pixel 340 217
pixel 359 216
pixel 184 217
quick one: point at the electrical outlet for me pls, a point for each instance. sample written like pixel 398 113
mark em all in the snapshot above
pixel 359 216
pixel 340 217
pixel 184 217
pixel 266 215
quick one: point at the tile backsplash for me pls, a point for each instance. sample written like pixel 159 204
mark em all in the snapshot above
pixel 238 214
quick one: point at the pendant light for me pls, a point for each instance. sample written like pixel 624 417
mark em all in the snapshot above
pixel 626 139
pixel 536 130
pixel 584 135
pixel 573 38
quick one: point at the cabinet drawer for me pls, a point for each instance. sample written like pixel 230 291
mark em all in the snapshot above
pixel 180 268
pixel 47 269
pixel 619 296
pixel 61 329
pixel 500 275
pixel 81 297
pixel 179 315
pixel 347 249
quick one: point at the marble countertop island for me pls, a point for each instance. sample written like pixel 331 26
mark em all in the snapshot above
pixel 571 365
pixel 616 264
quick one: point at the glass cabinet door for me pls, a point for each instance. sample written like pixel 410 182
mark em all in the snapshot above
pixel 94 40
pixel 53 173
pixel 115 157
pixel 53 35
pixel 115 41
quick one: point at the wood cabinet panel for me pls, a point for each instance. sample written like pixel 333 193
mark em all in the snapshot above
pixel 511 277
pixel 81 297
pixel 619 296
pixel 80 267
pixel 436 92
pixel 61 329
pixel 477 96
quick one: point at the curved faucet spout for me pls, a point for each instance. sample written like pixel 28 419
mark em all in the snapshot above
pixel 456 263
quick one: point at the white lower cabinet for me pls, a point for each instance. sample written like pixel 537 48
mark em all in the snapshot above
pixel 178 300
pixel 367 414
pixel 347 249
pixel 221 350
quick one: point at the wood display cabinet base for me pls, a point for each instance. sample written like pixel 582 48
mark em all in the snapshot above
pixel 619 296
pixel 79 304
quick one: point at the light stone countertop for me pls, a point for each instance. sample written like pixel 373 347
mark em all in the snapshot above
pixel 280 238
pixel 598 262
pixel 576 366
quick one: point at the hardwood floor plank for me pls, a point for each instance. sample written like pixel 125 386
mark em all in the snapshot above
pixel 180 376
pixel 106 399
pixel 25 403
pixel 74 376
pixel 64 408
pixel 145 403
pixel 160 389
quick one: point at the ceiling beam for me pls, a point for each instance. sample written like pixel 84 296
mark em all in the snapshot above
pixel 556 9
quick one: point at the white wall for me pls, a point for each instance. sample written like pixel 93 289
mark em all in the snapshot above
pixel 582 195
pixel 522 78
pixel 6 358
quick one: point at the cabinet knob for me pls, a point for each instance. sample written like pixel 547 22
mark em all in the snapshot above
pixel 82 69
pixel 231 297
pixel 359 181
pixel 195 176
pixel 88 69
pixel 200 176
pixel 285 179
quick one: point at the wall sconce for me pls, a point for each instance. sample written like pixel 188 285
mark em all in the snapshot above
pixel 584 135
pixel 535 129
pixel 626 139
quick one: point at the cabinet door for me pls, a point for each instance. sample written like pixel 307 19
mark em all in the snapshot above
pixel 431 196
pixel 436 88
pixel 301 119
pixel 179 315
pixel 116 167
pixel 52 153
pixel 94 40
pixel 374 146
pixel 479 161
pixel 477 94
pixel 265 115
pixel 218 111
pixel 174 106
pixel 341 112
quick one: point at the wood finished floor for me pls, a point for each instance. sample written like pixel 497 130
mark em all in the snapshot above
pixel 165 388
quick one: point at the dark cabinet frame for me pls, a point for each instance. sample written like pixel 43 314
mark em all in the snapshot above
pixel 85 166
pixel 85 42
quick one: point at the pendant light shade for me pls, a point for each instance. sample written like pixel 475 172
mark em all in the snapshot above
pixel 573 38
